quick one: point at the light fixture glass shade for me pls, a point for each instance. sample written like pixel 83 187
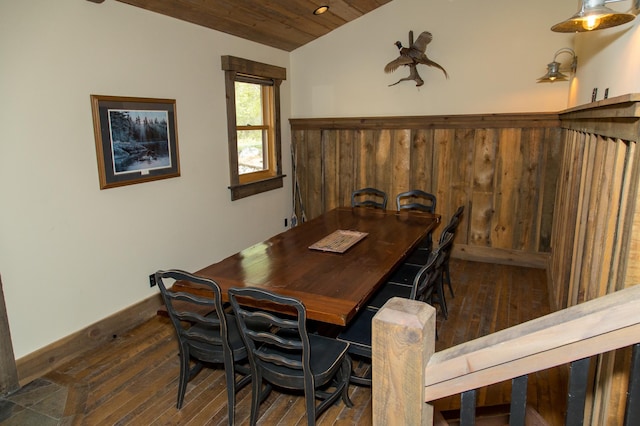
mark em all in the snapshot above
pixel 593 15
pixel 553 74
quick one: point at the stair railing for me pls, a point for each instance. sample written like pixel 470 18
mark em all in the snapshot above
pixel 407 374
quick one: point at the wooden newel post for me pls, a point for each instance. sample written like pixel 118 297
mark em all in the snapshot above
pixel 403 342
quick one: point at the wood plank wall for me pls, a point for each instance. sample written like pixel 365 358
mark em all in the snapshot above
pixel 503 168
pixel 596 229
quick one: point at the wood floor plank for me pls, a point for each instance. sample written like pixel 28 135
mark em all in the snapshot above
pixel 275 411
pixel 120 395
pixel 124 404
pixel 101 361
pixel 361 411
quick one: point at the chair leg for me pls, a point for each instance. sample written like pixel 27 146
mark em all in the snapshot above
pixel 231 391
pixel 310 401
pixel 442 301
pixel 256 395
pixel 184 375
pixel 447 276
pixel 345 376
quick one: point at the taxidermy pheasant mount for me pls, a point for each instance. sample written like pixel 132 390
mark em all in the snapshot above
pixel 413 56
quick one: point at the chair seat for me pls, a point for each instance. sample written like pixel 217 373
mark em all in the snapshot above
pixel 419 256
pixel 326 358
pixel 405 274
pixel 386 292
pixel 358 333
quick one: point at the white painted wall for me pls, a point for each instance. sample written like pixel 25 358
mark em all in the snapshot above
pixel 494 53
pixel 608 59
pixel 71 254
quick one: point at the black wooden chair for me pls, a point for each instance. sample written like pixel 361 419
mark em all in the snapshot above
pixel 206 335
pixel 358 333
pixel 413 286
pixel 417 199
pixel 405 273
pixel 288 356
pixel 444 250
pixel 369 197
pixel 419 257
pixel 451 227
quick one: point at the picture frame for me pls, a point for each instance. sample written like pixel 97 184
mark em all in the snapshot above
pixel 136 139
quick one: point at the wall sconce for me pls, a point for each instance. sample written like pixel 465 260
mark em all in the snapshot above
pixel 593 15
pixel 553 68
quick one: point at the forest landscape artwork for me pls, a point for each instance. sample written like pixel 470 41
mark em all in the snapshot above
pixel 139 140
pixel 136 139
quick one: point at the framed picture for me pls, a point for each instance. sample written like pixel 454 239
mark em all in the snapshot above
pixel 136 139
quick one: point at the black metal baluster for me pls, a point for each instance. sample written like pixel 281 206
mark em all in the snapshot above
pixel 578 376
pixel 468 408
pixel 632 412
pixel 518 401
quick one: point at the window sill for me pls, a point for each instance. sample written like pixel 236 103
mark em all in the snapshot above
pixel 248 189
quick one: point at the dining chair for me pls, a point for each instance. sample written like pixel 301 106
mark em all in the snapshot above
pixel 419 257
pixel 451 227
pixel 206 334
pixel 358 332
pixel 284 354
pixel 405 273
pixel 416 199
pixel 414 289
pixel 369 197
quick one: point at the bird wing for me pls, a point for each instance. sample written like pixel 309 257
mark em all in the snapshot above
pixel 400 60
pixel 420 44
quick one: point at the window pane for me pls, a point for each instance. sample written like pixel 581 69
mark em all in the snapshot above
pixel 248 104
pixel 252 152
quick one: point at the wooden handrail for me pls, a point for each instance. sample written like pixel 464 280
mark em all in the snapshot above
pixel 597 326
pixel 594 327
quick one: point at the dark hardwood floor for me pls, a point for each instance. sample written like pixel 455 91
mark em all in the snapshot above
pixel 133 379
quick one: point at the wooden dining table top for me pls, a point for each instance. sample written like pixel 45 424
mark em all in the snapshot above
pixel 332 286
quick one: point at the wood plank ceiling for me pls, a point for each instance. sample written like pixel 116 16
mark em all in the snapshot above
pixel 283 24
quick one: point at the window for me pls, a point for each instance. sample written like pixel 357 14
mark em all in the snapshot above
pixel 253 125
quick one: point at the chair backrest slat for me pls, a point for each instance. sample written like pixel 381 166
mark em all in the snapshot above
pixel 416 199
pixel 444 249
pixel 425 280
pixel 369 197
pixel 286 338
pixel 452 226
pixel 194 317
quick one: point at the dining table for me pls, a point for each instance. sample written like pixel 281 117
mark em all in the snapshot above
pixel 332 263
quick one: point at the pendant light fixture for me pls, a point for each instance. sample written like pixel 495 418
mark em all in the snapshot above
pixel 593 15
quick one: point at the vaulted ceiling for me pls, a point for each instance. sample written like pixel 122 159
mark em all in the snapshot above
pixel 283 24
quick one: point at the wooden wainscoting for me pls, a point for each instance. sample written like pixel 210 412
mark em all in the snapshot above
pixel 596 236
pixel 596 230
pixel 502 167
